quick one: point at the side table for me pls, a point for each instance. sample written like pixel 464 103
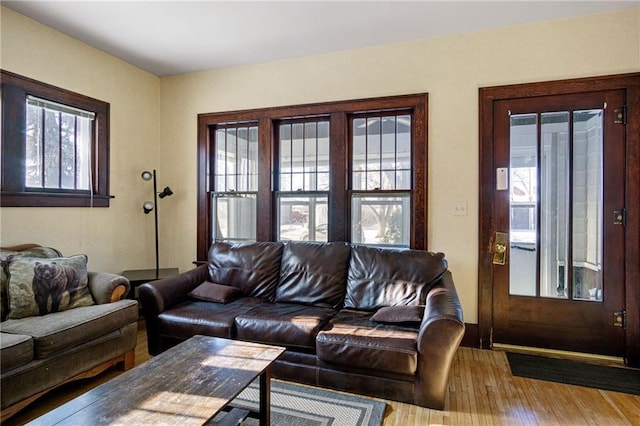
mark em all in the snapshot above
pixel 138 277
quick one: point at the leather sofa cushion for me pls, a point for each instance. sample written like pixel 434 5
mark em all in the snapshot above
pixel 254 268
pixel 283 324
pixel 210 319
pixel 213 292
pixel 15 350
pixel 388 277
pixel 400 314
pixel 352 340
pixel 56 332
pixel 313 273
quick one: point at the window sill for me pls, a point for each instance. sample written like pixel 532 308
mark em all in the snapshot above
pixel 41 199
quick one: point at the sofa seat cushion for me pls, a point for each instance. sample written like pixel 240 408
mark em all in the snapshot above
pixel 351 339
pixel 15 350
pixel 207 318
pixel 55 332
pixel 283 324
pixel 313 274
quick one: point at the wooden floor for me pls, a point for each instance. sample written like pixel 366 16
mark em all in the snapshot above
pixel 482 391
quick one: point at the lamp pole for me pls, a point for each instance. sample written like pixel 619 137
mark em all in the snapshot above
pixel 155 213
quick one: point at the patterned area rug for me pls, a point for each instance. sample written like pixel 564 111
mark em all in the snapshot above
pixel 297 405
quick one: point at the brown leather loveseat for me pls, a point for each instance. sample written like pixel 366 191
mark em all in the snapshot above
pixel 373 321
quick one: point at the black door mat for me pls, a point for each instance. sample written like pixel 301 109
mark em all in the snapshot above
pixel 617 379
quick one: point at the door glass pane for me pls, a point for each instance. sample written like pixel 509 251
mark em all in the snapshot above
pixel 587 205
pixel 554 193
pixel 523 204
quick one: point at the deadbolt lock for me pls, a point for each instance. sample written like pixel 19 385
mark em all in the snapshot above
pixel 500 248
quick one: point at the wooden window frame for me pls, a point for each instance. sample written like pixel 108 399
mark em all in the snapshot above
pixel 228 191
pixel 339 199
pixel 364 192
pixel 278 193
pixel 13 192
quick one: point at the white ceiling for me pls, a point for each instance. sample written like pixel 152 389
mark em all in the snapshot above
pixel 175 37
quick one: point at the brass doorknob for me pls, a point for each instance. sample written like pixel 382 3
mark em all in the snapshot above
pixel 500 248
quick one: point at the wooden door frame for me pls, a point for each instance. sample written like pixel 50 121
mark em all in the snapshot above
pixel 487 97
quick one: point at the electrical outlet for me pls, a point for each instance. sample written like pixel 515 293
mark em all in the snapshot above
pixel 459 208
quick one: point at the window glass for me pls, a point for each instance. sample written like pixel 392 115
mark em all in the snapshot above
pixel 303 218
pixel 381 219
pixel 234 204
pixel 304 168
pixel 381 165
pixel 234 216
pixel 304 156
pixel 58 146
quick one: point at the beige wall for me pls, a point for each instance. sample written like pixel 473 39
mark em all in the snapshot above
pixel 146 109
pixel 450 69
pixel 119 237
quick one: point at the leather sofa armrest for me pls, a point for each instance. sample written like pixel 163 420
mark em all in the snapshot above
pixel 440 335
pixel 106 287
pixel 157 296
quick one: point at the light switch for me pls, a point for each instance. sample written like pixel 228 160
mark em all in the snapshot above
pixel 459 208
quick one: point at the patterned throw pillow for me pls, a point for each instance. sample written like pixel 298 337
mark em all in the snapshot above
pixel 5 254
pixel 40 286
pixel 4 282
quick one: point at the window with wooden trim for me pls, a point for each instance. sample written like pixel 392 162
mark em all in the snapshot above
pixel 55 146
pixel 233 201
pixel 381 179
pixel 350 171
pixel 302 191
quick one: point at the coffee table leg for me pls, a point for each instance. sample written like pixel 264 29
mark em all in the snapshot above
pixel 265 398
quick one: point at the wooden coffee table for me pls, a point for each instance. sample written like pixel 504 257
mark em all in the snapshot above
pixel 186 385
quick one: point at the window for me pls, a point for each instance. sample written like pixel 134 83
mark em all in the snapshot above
pixel 381 182
pixel 340 171
pixel 236 183
pixel 55 149
pixel 303 184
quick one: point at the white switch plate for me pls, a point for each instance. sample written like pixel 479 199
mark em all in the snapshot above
pixel 459 208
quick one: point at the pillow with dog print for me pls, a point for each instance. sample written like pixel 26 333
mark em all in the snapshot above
pixel 41 286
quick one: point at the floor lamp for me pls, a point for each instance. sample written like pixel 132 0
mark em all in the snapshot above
pixel 153 205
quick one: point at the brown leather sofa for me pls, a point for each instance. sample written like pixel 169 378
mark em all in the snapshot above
pixel 373 321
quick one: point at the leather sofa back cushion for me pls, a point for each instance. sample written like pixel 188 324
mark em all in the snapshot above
pixel 313 274
pixel 388 277
pixel 254 268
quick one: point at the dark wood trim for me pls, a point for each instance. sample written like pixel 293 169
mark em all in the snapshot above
pixel 340 157
pixel 15 89
pixel 338 112
pixel 420 157
pixel 266 206
pixel 487 96
pixel 203 207
pixel 471 339
pixel 632 260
